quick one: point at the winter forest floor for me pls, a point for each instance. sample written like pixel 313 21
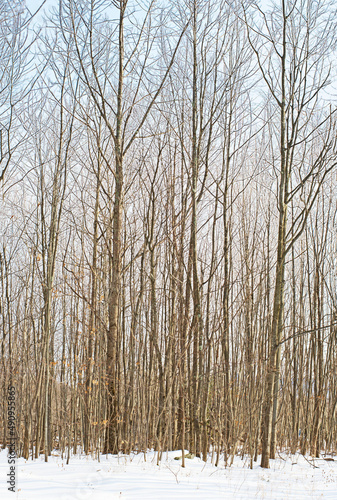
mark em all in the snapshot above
pixel 133 477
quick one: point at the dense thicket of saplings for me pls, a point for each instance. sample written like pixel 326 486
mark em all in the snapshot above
pixel 168 214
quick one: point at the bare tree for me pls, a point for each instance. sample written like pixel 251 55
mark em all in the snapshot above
pixel 292 58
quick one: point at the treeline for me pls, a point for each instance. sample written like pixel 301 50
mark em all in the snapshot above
pixel 168 213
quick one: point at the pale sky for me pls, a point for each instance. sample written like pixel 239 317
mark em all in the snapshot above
pixel 33 5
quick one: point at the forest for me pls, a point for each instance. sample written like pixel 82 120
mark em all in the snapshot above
pixel 168 227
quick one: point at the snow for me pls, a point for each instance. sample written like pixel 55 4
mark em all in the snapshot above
pixel 131 477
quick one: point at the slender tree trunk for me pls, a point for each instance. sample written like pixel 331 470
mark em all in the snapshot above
pixel 112 445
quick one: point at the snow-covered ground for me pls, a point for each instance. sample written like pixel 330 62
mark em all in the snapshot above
pixel 131 477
